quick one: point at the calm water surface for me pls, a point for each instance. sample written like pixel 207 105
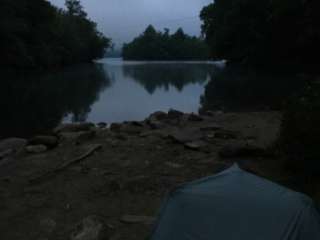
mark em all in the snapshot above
pixel 137 89
pixel 110 90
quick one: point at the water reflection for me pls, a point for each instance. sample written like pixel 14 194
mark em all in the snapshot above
pixel 155 76
pixel 235 89
pixel 36 103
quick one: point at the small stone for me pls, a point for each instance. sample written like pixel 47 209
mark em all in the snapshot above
pixel 90 228
pixel 174 165
pixel 196 145
pixel 226 134
pixel 175 114
pixel 187 135
pixel 49 141
pixel 36 148
pixel 133 219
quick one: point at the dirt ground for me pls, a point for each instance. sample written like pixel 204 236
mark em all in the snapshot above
pixel 109 184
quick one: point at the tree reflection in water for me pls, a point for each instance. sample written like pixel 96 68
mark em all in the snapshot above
pixel 155 76
pixel 236 89
pixel 34 103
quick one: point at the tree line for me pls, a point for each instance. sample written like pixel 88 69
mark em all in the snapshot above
pixel 157 45
pixel 35 34
pixel 265 32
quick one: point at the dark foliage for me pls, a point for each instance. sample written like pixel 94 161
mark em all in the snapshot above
pixel 300 134
pixel 234 89
pixel 36 103
pixel 35 34
pixel 264 33
pixel 154 45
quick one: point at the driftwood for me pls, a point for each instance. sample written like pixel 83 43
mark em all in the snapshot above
pixel 65 165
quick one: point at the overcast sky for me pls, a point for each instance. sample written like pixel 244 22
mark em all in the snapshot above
pixel 122 20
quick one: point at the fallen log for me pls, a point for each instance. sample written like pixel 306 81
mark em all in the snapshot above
pixel 65 165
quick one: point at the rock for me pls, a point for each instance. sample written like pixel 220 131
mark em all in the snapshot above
pixel 226 134
pixel 159 116
pixel 211 127
pixel 207 113
pixel 137 124
pixel 14 144
pixel 196 145
pixel 184 136
pixel 242 150
pixel 174 165
pixel 133 219
pixel 74 127
pixel 102 125
pixel 6 153
pixel 115 127
pixel 77 136
pixel 131 129
pixel 195 118
pixel 90 228
pixel 36 148
pixel 48 225
pixel 155 124
pixel 175 114
pixel 49 141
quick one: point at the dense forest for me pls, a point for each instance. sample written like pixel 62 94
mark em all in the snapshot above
pixel 35 34
pixel 157 45
pixel 268 36
pixel 264 33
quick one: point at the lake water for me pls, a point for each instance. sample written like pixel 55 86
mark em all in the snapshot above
pixel 110 90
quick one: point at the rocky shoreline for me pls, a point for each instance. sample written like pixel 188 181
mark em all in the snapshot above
pixel 98 181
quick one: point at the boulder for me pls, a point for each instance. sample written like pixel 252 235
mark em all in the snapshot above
pixel 115 127
pixel 36 148
pixel 186 135
pixel 13 144
pixel 195 118
pixel 137 124
pixel 159 116
pixel 102 125
pixel 90 228
pixel 155 124
pixel 174 114
pixel 134 219
pixel 74 127
pixel 77 136
pixel 6 153
pixel 49 141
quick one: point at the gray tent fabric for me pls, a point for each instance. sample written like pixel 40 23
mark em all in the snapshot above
pixel 237 205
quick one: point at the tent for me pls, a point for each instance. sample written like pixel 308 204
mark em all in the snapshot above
pixel 237 205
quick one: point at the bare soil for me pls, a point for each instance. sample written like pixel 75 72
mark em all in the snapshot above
pixel 129 172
